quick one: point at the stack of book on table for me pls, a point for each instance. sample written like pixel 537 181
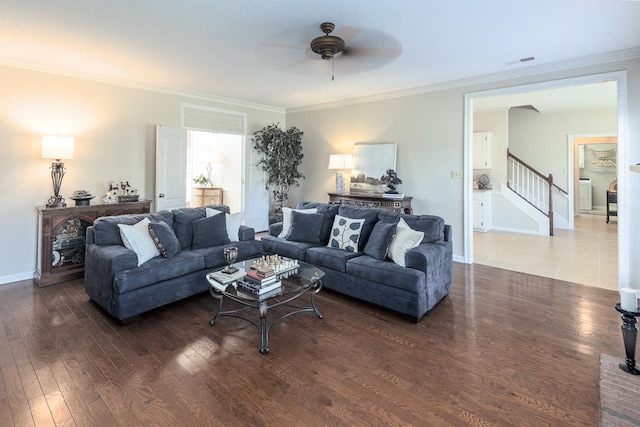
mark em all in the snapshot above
pixel 225 278
pixel 260 282
pixel 393 195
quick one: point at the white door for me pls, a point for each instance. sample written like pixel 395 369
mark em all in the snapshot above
pixel 171 168
pixel 255 196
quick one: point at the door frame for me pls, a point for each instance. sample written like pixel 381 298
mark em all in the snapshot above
pixel 573 141
pixel 623 173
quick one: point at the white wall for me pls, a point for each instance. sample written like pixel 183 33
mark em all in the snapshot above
pixel 540 139
pixel 428 128
pixel 496 122
pixel 114 131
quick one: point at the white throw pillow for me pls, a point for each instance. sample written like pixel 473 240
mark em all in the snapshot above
pixel 404 240
pixel 233 225
pixel 136 237
pixel 233 221
pixel 345 233
pixel 286 219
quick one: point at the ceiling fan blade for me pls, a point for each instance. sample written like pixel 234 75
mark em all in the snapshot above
pixel 373 52
pixel 283 46
pixel 293 65
pixel 346 33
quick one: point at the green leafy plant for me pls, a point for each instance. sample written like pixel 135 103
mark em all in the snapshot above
pixel 282 155
pixel 201 179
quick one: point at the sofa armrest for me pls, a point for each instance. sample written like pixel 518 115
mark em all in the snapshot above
pixel 275 229
pixel 431 257
pixel 447 233
pixel 246 233
pixel 101 263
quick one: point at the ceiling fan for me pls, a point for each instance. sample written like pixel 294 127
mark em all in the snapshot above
pixel 356 49
pixel 327 46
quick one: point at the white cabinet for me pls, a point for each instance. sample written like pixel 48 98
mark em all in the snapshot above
pixel 481 210
pixel 482 150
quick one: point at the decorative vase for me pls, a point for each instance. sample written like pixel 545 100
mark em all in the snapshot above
pixel 230 256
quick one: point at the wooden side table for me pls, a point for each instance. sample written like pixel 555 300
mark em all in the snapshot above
pixel 372 201
pixel 205 196
pixel 61 238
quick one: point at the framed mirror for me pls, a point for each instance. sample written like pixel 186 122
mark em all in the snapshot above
pixel 370 163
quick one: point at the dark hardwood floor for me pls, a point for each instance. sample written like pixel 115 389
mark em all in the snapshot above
pixel 504 348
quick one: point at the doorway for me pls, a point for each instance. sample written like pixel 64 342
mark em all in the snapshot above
pixel 622 243
pixel 214 166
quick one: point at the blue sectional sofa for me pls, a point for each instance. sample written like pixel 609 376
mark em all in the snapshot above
pixel 368 274
pixel 115 281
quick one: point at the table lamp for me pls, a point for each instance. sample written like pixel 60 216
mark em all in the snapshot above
pixel 339 162
pixel 57 148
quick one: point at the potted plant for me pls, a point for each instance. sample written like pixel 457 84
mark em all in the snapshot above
pixel 391 180
pixel 282 155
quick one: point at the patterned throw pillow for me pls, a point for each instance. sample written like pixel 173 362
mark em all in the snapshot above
pixel 164 239
pixel 345 233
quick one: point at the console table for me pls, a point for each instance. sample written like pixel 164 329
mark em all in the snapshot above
pixel 61 238
pixel 372 201
pixel 204 196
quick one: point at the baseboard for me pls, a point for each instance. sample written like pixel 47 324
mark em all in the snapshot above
pixel 515 230
pixel 16 277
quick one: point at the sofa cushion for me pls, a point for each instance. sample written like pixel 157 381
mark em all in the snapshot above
pixel 328 211
pixel 286 219
pixel 323 256
pixel 432 226
pixel 136 238
pixel 378 244
pixel 404 240
pixel 305 227
pixel 106 231
pixel 370 217
pixel 164 238
pixel 346 233
pixel 233 222
pixel 182 219
pixel 157 270
pixel 387 273
pixel 214 256
pixel 286 248
pixel 209 231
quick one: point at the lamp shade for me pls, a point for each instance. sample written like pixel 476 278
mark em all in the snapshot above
pixel 340 161
pixel 57 147
pixel 213 157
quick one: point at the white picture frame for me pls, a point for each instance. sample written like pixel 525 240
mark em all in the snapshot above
pixel 370 162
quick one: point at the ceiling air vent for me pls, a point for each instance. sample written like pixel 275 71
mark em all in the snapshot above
pixel 521 60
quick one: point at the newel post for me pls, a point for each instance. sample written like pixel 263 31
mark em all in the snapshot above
pixel 550 180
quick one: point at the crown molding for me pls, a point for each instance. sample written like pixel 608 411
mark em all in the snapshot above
pixel 609 57
pixel 65 72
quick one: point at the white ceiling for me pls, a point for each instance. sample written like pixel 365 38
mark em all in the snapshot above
pixel 258 50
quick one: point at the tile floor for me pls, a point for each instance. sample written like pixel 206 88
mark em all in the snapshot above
pixel 586 255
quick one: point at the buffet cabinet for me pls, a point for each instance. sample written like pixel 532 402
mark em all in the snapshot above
pixel 205 196
pixel 61 238
pixel 401 204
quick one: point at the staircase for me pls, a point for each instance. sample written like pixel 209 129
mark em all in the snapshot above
pixel 529 189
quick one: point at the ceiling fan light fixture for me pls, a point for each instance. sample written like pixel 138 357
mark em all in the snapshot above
pixel 327 46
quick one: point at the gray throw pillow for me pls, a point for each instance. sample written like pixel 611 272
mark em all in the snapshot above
pixel 210 231
pixel 305 227
pixel 380 239
pixel 164 238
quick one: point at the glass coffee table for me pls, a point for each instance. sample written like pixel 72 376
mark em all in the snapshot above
pixel 297 280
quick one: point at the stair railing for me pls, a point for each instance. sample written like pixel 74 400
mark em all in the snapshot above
pixel 532 186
